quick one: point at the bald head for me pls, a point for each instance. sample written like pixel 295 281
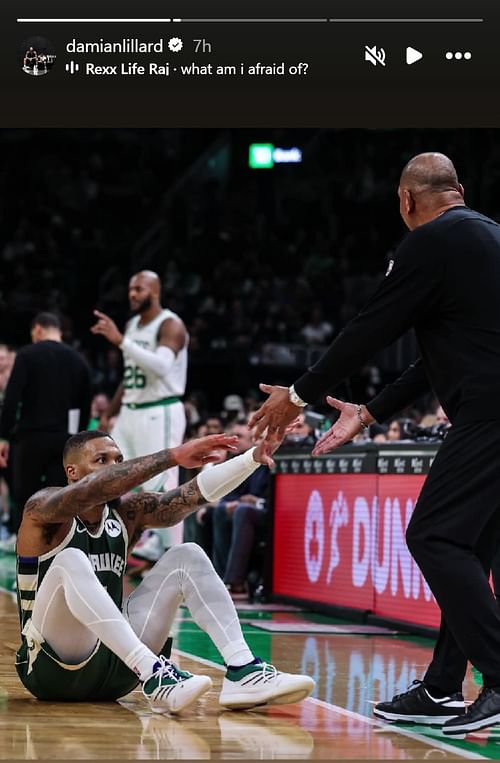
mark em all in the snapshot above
pixel 144 292
pixel 150 278
pixel 430 173
pixel 428 187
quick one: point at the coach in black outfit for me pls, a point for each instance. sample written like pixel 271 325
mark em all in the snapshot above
pixel 48 380
pixel 445 282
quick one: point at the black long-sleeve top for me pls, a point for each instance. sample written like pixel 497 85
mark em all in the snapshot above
pixel 47 380
pixel 444 282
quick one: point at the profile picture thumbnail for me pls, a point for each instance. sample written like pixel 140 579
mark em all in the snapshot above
pixel 37 56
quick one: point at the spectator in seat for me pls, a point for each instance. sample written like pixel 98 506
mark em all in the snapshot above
pixel 441 417
pixel 238 519
pixel 213 425
pixel 198 526
pixel 233 409
pixel 378 433
pixel 317 331
pixel 98 408
pixel 299 433
pixel 400 429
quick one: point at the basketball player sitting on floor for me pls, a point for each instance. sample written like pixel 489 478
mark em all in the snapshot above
pixel 71 555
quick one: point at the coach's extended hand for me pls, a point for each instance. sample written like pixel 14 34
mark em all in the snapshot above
pixel 274 415
pixel 347 426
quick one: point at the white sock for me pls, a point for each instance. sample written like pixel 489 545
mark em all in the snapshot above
pixel 142 661
pixel 237 655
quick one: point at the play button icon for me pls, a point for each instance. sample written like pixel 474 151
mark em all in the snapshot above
pixel 412 56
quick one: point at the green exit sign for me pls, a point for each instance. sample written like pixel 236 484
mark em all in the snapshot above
pixel 261 156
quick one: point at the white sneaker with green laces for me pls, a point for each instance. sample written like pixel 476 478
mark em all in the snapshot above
pixel 170 690
pixel 259 683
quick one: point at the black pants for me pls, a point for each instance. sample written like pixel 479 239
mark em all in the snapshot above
pixel 193 532
pixel 36 463
pixel 453 535
pixel 234 540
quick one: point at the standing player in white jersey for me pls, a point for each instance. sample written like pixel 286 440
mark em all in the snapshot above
pixel 148 402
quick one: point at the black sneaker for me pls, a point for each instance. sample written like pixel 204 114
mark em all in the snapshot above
pixel 485 711
pixel 418 706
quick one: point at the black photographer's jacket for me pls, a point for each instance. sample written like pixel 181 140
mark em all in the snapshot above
pixel 445 283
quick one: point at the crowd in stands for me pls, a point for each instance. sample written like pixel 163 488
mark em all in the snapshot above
pixel 247 259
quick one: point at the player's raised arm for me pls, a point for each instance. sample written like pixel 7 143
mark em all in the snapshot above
pixel 167 509
pixel 171 340
pixel 106 483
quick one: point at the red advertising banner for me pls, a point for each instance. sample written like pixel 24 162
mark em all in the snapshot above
pixel 316 543
pixel 340 539
pixel 401 592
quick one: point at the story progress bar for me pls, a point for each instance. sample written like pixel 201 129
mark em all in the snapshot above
pixel 254 21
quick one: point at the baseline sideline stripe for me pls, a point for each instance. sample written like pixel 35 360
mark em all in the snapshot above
pixel 436 743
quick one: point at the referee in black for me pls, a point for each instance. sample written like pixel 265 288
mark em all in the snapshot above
pixel 47 398
pixel 444 282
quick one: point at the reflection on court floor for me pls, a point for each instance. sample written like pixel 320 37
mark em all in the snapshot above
pixel 352 672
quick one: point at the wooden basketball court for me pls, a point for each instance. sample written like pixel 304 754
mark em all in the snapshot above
pixel 351 672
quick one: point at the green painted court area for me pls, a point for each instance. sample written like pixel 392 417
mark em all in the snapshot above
pixel 352 671
pixel 7 572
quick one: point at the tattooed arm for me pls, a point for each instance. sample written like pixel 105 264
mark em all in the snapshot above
pixel 166 509
pixel 106 483
pixel 160 509
pixel 62 504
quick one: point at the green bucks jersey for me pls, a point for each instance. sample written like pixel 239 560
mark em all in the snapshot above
pixel 106 550
pixel 102 676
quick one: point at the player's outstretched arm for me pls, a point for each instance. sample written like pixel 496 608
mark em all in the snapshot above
pixel 166 509
pixel 57 505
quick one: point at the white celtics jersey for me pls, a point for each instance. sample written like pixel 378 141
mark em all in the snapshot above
pixel 141 386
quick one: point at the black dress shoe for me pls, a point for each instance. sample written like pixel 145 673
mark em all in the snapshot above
pixel 417 705
pixel 484 712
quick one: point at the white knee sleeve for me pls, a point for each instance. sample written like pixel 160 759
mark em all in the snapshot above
pixel 185 573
